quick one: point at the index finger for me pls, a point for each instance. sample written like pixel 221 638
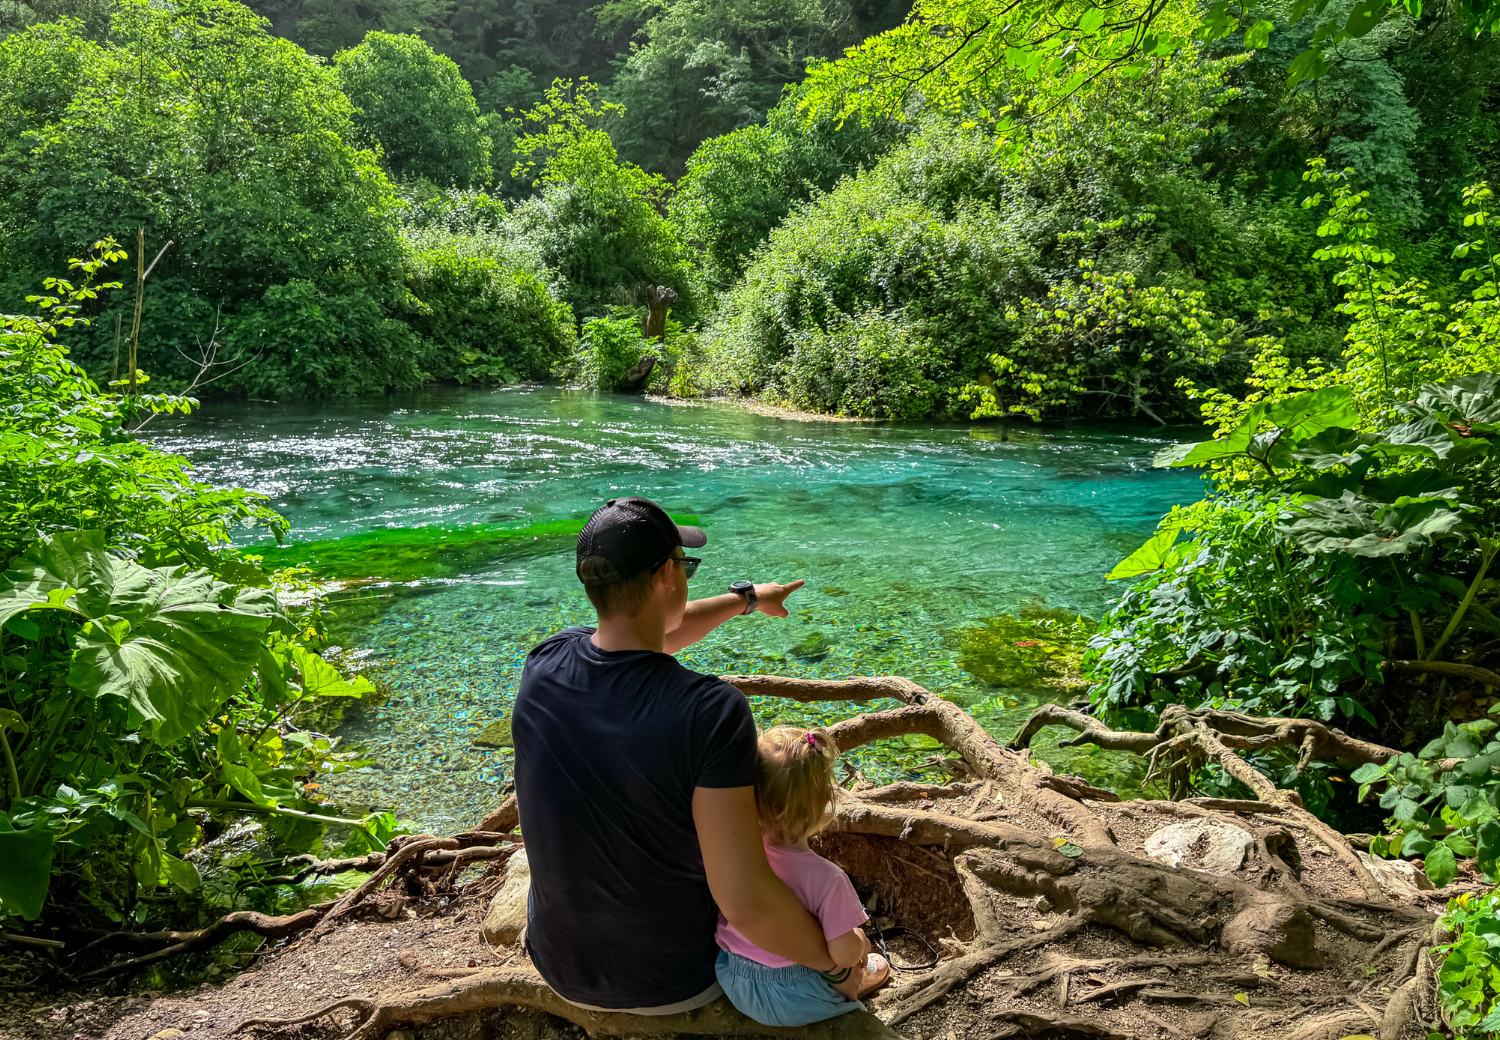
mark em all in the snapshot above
pixel 793 586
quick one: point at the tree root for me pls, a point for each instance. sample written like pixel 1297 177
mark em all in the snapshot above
pixel 264 925
pixel 490 988
pixel 405 856
pixel 1185 738
pixel 1018 835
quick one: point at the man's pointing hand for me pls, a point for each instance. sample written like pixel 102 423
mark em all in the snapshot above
pixel 770 598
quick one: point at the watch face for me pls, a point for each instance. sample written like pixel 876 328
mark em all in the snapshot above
pixel 742 584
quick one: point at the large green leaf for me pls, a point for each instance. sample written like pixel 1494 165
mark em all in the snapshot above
pixel 1156 553
pixel 321 679
pixel 173 643
pixel 1468 407
pixel 1292 421
pixel 1360 527
pixel 1235 442
pixel 1304 416
pixel 25 867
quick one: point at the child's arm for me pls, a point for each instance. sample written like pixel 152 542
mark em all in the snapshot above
pixel 849 952
pixel 849 949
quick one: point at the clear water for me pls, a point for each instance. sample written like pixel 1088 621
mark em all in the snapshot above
pixel 905 534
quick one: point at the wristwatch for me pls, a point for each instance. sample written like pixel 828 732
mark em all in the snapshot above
pixel 747 590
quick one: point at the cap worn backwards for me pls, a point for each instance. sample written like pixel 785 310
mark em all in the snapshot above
pixel 627 536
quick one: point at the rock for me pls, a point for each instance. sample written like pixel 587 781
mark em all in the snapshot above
pixel 495 735
pixel 1279 930
pixel 1397 878
pixel 506 917
pixel 1209 845
pixel 812 647
pixel 167 1034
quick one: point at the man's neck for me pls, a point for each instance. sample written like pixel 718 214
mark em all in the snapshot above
pixel 631 632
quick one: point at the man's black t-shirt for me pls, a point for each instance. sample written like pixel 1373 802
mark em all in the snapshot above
pixel 609 746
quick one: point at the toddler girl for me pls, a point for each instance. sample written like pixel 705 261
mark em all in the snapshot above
pixel 793 797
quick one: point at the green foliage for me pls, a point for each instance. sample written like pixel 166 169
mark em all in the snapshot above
pixel 414 105
pixel 874 364
pixel 483 317
pixel 1103 334
pixel 1238 617
pixel 700 68
pixel 1469 978
pixel 1444 801
pixel 192 122
pixel 1361 545
pixel 1098 260
pixel 149 673
pixel 963 56
pixel 739 186
pixel 594 220
pixel 65 458
pixel 609 348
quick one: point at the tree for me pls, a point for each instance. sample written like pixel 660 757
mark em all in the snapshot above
pixel 595 220
pixel 700 68
pixel 195 124
pixel 1019 57
pixel 739 186
pixel 414 105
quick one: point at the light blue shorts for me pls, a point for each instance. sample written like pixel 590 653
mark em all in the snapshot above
pixel 790 996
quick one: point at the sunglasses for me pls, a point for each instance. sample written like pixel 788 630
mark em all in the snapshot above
pixel 689 565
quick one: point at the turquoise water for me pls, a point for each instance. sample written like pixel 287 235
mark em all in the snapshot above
pixel 906 535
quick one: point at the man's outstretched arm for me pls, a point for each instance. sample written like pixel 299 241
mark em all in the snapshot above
pixel 750 896
pixel 702 616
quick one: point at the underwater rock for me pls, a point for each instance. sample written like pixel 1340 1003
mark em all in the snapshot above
pixel 507 913
pixel 1037 647
pixel 1208 845
pixel 495 735
pixel 812 647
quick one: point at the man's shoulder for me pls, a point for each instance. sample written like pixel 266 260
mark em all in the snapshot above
pixel 557 640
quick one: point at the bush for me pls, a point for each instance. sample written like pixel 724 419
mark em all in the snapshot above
pixel 873 364
pixel 863 249
pixel 414 105
pixel 1469 979
pixel 192 121
pixel 609 349
pixel 1236 616
pixel 300 337
pixel 739 186
pixel 594 220
pixel 154 683
pixel 484 318
pixel 1086 273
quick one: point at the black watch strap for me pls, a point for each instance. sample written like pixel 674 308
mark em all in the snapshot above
pixel 745 590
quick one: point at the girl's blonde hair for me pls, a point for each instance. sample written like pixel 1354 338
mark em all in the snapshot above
pixel 794 794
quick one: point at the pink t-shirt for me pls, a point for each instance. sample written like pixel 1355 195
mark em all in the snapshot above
pixel 824 889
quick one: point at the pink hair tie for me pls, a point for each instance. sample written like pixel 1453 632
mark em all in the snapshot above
pixel 811 738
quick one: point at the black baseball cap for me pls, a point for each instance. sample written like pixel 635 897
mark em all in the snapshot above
pixel 627 536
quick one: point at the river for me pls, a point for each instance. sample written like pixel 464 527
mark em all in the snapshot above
pixel 908 536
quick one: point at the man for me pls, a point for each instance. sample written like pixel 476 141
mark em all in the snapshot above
pixel 635 781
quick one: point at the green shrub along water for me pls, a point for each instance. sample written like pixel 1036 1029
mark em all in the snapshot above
pixel 156 686
pixel 1342 564
pixel 1086 273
